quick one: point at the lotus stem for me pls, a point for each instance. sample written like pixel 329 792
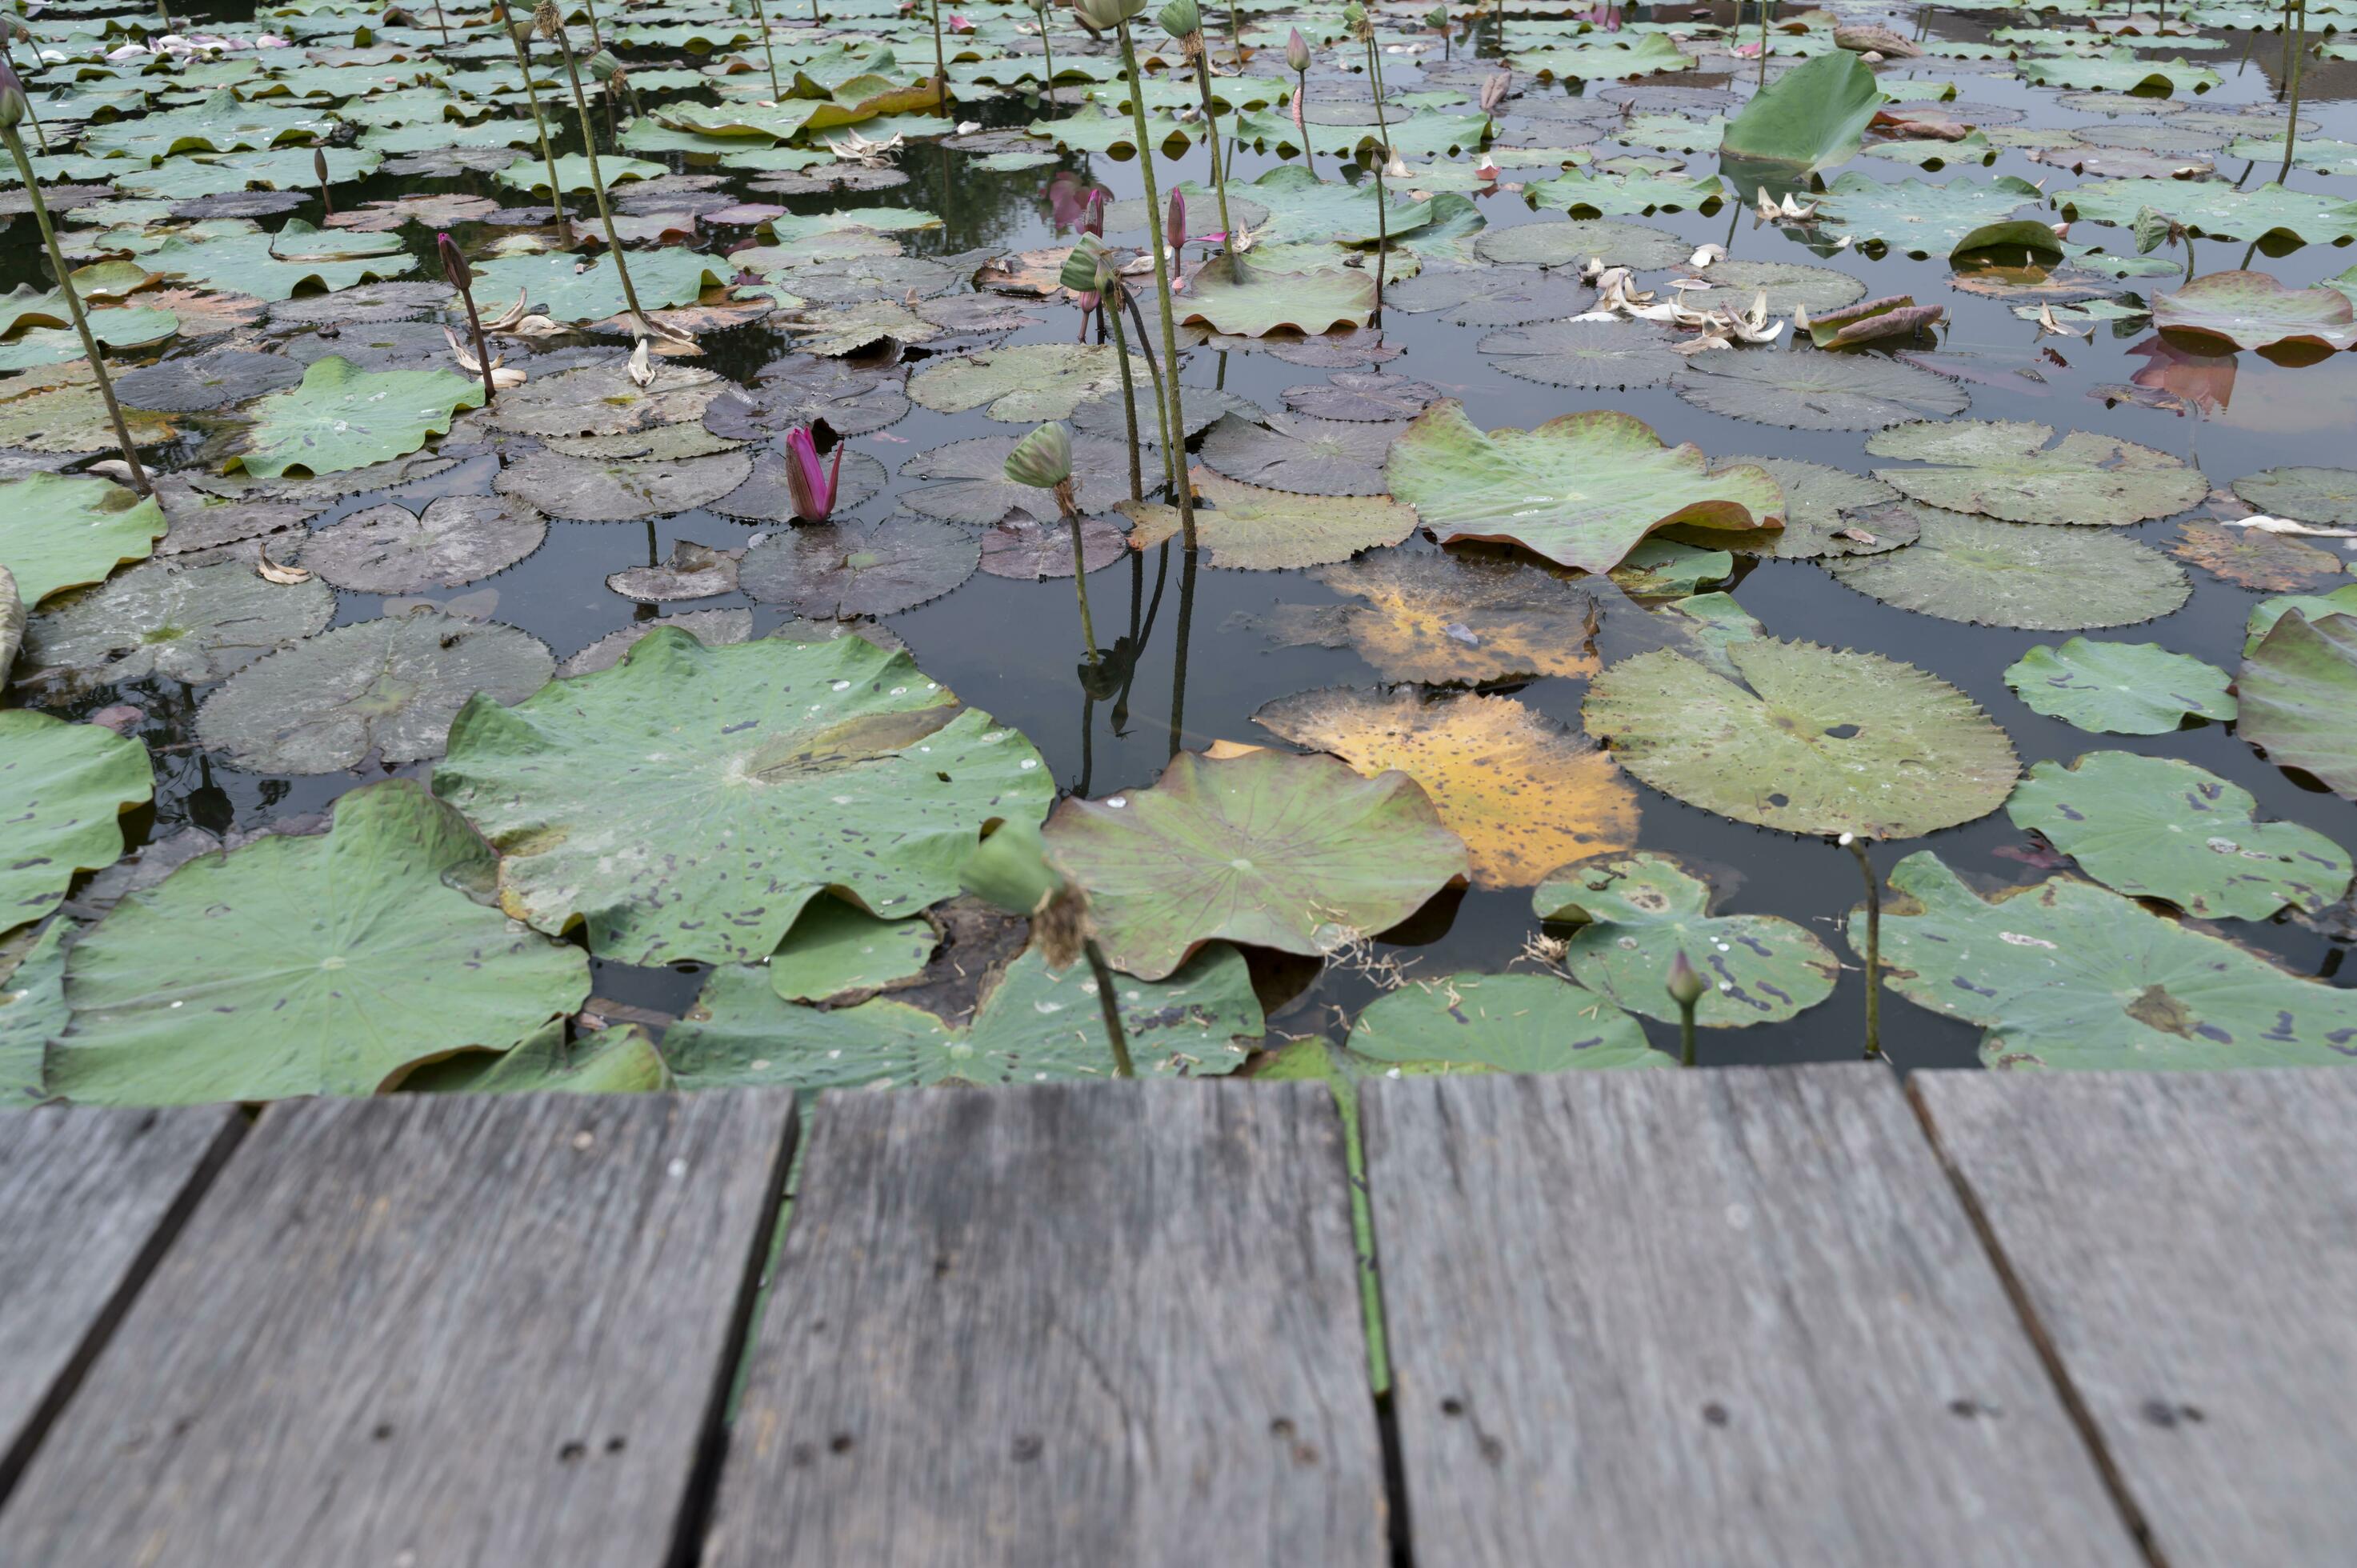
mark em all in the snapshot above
pixel 598 180
pixel 73 304
pixel 1766 7
pixel 1079 566
pixel 777 93
pixel 941 70
pixel 1161 403
pixel 1383 196
pixel 1128 394
pixel 1177 424
pixel 1109 1003
pixel 1235 36
pixel 1857 847
pixel 1301 99
pixel 482 356
pixel 1048 43
pixel 597 38
pixel 1219 179
pixel 2299 56
pixel 1179 651
pixel 540 125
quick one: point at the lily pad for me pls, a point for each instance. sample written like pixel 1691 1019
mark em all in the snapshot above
pixel 1033 549
pixel 1361 395
pixel 389 687
pixel 1101 416
pixel 1810 390
pixel 620 1060
pixel 195 625
pixel 1296 854
pixel 856 568
pixel 603 399
pixel 1488 296
pixel 1442 617
pixel 12 622
pixel 208 381
pixel 2254 310
pixel 1255 528
pixel 2004 469
pixel 713 628
pixel 2327 496
pixel 970 483
pixel 2298 696
pixel 1499 1022
pixel 2158 827
pixel 2315 606
pixel 1574 242
pixel 2066 975
pixel 1525 793
pixel 2218 210
pixel 1817 497
pixel 760 777
pixel 1580 490
pixel 58 532
pixel 690 570
pixel 806 389
pixel 457 540
pixel 592 489
pixel 1816 740
pixel 1638 912
pixel 374 963
pixel 1592 356
pixel 768 496
pixel 1266 301
pixel 1307 456
pixel 1025 385
pixel 1790 286
pixel 2254 558
pixel 2020 574
pixel 835 947
pixel 568 287
pixel 1917 217
pixel 342 417
pixel 2119 688
pixel 63 789
pixel 32 1008
pixel 1811 118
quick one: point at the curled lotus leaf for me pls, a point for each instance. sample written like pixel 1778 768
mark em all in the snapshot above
pixel 1307 456
pixel 2119 688
pixel 622 489
pixel 457 540
pixel 1811 118
pixel 2254 310
pixel 2160 827
pixel 1817 498
pixel 1025 385
pixel 2315 606
pixel 1575 241
pixel 342 417
pixel 856 568
pixel 1812 740
pixel 2327 496
pixel 2065 975
pixel 1580 490
pixel 1636 912
pixel 1447 617
pixel 1806 390
pixel 713 628
pixel 835 948
pixel 63 789
pixel 1498 1022
pixel 618 1060
pixel 197 626
pixel 1255 528
pixel 1296 854
pixel 2299 694
pixel 1589 356
pixel 1986 572
pixel 2005 469
pixel 375 963
pixel 761 776
pixel 58 532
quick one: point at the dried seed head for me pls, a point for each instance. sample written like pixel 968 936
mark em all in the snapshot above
pixel 547 21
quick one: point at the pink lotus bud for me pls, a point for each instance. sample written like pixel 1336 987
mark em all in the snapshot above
pixel 1177 228
pixel 1093 213
pixel 809 485
pixel 1296 51
pixel 454 265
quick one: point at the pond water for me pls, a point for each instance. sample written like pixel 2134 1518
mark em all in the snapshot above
pixel 1204 665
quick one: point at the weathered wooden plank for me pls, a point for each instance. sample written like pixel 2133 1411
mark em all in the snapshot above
pixel 89 1199
pixel 1707 1319
pixel 2186 1244
pixel 1070 1324
pixel 423 1331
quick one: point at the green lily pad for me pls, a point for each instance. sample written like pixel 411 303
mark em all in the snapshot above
pixel 1636 912
pixel 1603 195
pixel 1790 286
pixel 1592 356
pixel 1662 568
pixel 1809 119
pixel 1031 383
pixel 196 626
pixel 2066 975
pixel 32 1008
pixel 389 687
pixel 329 964
pixel 1315 301
pixel 1916 217
pixel 1580 490
pixel 1498 1022
pixel 2121 70
pixel 760 775
pixel 2298 696
pixel 2327 496
pixel 835 947
pixel 1255 528
pixel 2004 468
pixel 970 483
pixel 1806 390
pixel 573 288
pixel 1649 54
pixel 1816 740
pixel 620 1060
pixel 2254 310
pixel 1302 207
pixel 2119 688
pixel 342 417
pixel 2315 606
pixel 61 532
pixel 1291 852
pixel 1816 498
pixel 1574 242
pixel 2213 209
pixel 1986 572
pixel 531 176
pixel 2158 827
pixel 63 789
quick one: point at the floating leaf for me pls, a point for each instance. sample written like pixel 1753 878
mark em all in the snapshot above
pixel 1291 852
pixel 2326 496
pixel 972 486
pixel 1023 385
pixel 856 567
pixel 2213 209
pixel 2254 558
pixel 1659 568
pixel 32 1008
pixel 620 1060
pixel 1101 416
pixel 1488 296
pixel 2066 975
pixel 2315 606
pixel 12 622
pixel 1917 217
pixel 59 532
pixel 342 417
pixel 1580 490
pixel 759 776
pixel 1032 549
pixel 2298 696
pixel 1499 1022
pixel 1357 394
pixel 1574 242
pixel 374 963
pixel 690 570
pixel 2253 310
pixel 1252 529
pixel 1638 912
pixel 1649 54
pixel 1789 285
pixel 1823 740
pixel 621 489
pixel 713 628
pixel 2158 827
pixel 2004 469
pixel 1611 194
pixel 1307 456
pixel 1316 300
pixel 1809 119
pixel 203 382
pixel 2119 688
pixel 1592 356
pixel 1816 498
pixel 567 287
pixel 195 625
pixel 835 947
pixel 63 789
pixel 2018 575
pixel 805 388
pixel 1446 617
pixel 455 541
pixel 603 399
pixel 1811 391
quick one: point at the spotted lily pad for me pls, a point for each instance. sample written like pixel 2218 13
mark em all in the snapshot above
pixel 1498 1022
pixel 374 963
pixel 856 568
pixel 2065 975
pixel 1255 528
pixel 64 788
pixel 621 489
pixel 1443 618
pixel 457 540
pixel 1814 740
pixel 2327 496
pixel 1810 390
pixel 2160 827
pixel 2254 558
pixel 1638 912
pixel 2004 469
pixel 2299 694
pixel 342 417
pixel 2119 688
pixel 761 776
pixel 835 947
pixel 197 626
pixel 60 532
pixel 2020 574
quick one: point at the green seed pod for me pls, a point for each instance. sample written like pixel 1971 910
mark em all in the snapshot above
pixel 1010 869
pixel 1180 19
pixel 602 65
pixel 1081 273
pixel 1042 460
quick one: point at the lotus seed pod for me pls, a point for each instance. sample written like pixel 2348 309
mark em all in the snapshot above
pixel 1042 460
pixel 1180 19
pixel 1081 273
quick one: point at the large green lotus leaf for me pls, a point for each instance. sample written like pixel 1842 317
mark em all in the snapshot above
pixel 1811 118
pixel 568 289
pixel 1604 195
pixel 1033 1027
pixel 2254 310
pixel 2122 70
pixel 1498 1022
pixel 2299 694
pixel 2214 208
pixel 1441 617
pixel 1025 385
pixel 1255 528
pixel 32 1008
pixel 2315 606
pixel 2327 496
pixel 835 948
pixel 573 173
pixel 1987 573
pixel 1917 217
pixel 1292 853
pixel 759 776
pixel 2004 469
pixel 618 1060
pixel 241 263
pixel 1636 912
pixel 1301 206
pixel 1314 301
pixel 197 626
pixel 1575 241
pixel 344 417
pixel 220 123
pixel 2064 974
pixel 388 686
pixel 1816 496
pixel 57 531
pixel 1580 490
pixel 2119 688
pixel 63 787
pixel 1823 740
pixel 329 964
pixel 1810 390
pixel 2160 827
pixel 1649 55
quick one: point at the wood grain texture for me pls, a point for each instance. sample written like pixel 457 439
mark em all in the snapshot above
pixel 89 1199
pixel 423 1331
pixel 1084 1324
pixel 2187 1245
pixel 1707 1319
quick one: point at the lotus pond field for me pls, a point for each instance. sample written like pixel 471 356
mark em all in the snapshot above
pixel 1604 534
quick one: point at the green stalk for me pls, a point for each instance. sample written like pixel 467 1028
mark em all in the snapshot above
pixel 1873 945
pixel 1109 1003
pixel 941 70
pixel 1161 402
pixel 1219 179
pixel 1685 1034
pixel 777 93
pixel 1179 651
pixel 1383 196
pixel 1080 569
pixel 540 125
pixel 39 135
pixel 1128 395
pixel 2292 126
pixel 1308 148
pixel 597 183
pixel 73 304
pixel 1161 286
pixel 1048 43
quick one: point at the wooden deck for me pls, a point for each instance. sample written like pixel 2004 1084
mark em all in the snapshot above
pixel 1751 1316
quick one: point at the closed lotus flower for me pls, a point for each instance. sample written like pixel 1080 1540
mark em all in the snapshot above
pixel 1296 51
pixel 809 483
